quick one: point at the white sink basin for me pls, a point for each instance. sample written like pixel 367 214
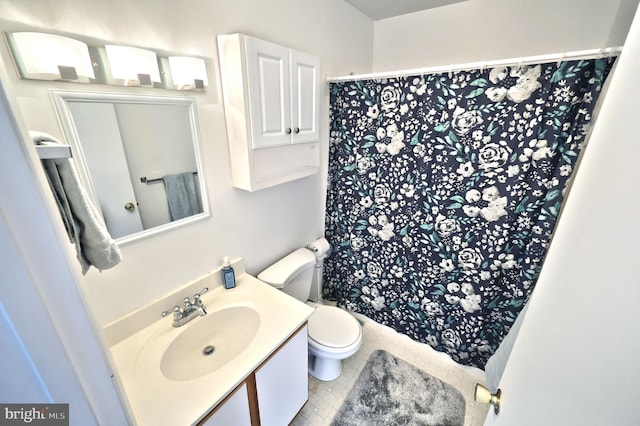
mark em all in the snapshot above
pixel 165 377
pixel 201 346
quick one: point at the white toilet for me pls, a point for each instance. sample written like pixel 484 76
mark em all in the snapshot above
pixel 334 334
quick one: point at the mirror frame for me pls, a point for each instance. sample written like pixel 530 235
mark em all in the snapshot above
pixel 60 99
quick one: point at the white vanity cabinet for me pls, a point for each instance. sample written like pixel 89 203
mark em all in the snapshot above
pixel 282 382
pixel 273 394
pixel 232 411
pixel 271 100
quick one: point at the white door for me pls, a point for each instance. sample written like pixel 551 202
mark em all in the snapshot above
pixel 269 89
pixel 99 135
pixel 305 70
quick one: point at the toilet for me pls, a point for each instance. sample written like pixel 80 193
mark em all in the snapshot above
pixel 334 334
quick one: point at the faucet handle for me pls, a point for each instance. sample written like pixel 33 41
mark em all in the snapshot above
pixel 175 309
pixel 201 292
pixel 196 297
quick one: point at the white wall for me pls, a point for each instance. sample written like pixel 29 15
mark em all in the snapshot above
pixel 575 360
pixel 258 226
pixel 481 30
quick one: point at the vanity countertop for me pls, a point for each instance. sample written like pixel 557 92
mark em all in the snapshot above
pixel 155 400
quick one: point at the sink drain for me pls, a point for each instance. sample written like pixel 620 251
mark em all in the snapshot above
pixel 208 350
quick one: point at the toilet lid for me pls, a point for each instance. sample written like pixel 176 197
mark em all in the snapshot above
pixel 333 327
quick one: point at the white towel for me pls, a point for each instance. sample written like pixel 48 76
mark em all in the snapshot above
pixel 94 245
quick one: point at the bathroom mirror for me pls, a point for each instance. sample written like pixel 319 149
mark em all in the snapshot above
pixel 139 158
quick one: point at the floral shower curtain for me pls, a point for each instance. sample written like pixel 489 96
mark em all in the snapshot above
pixel 444 190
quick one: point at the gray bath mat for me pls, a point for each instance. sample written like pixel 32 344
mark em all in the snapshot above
pixel 390 391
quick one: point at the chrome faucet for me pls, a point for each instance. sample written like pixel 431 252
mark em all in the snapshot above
pixel 183 315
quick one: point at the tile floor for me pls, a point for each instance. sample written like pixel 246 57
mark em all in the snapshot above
pixel 325 398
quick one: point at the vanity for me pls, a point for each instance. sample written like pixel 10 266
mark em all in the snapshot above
pixel 243 363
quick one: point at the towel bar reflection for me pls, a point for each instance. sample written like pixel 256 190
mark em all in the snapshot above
pixel 144 179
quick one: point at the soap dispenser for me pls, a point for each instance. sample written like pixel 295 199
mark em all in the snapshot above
pixel 228 275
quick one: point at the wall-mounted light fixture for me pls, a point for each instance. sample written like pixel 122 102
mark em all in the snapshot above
pixel 188 73
pixel 484 396
pixel 43 56
pixel 133 65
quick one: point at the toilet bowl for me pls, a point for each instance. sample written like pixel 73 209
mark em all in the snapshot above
pixel 334 334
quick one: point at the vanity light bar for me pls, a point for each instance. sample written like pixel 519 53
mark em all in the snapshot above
pixel 44 56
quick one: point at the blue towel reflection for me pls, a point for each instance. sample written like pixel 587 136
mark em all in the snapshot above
pixel 182 195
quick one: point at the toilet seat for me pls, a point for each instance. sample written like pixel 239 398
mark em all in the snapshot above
pixel 332 327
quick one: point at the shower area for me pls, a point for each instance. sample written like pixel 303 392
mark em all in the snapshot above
pixel 444 189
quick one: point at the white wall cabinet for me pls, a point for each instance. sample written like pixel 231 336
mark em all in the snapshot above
pixel 273 394
pixel 271 100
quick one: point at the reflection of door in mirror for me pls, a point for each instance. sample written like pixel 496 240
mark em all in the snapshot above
pixel 98 129
pixel 129 145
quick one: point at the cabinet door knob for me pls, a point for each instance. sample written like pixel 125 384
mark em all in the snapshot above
pixel 288 130
pixel 297 130
pixel 130 207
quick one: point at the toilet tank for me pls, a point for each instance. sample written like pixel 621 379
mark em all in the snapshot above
pixel 292 274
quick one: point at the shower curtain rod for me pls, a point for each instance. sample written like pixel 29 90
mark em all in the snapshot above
pixel 555 57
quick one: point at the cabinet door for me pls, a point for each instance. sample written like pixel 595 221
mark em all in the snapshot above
pixel 305 70
pixel 283 383
pixel 269 91
pixel 233 411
